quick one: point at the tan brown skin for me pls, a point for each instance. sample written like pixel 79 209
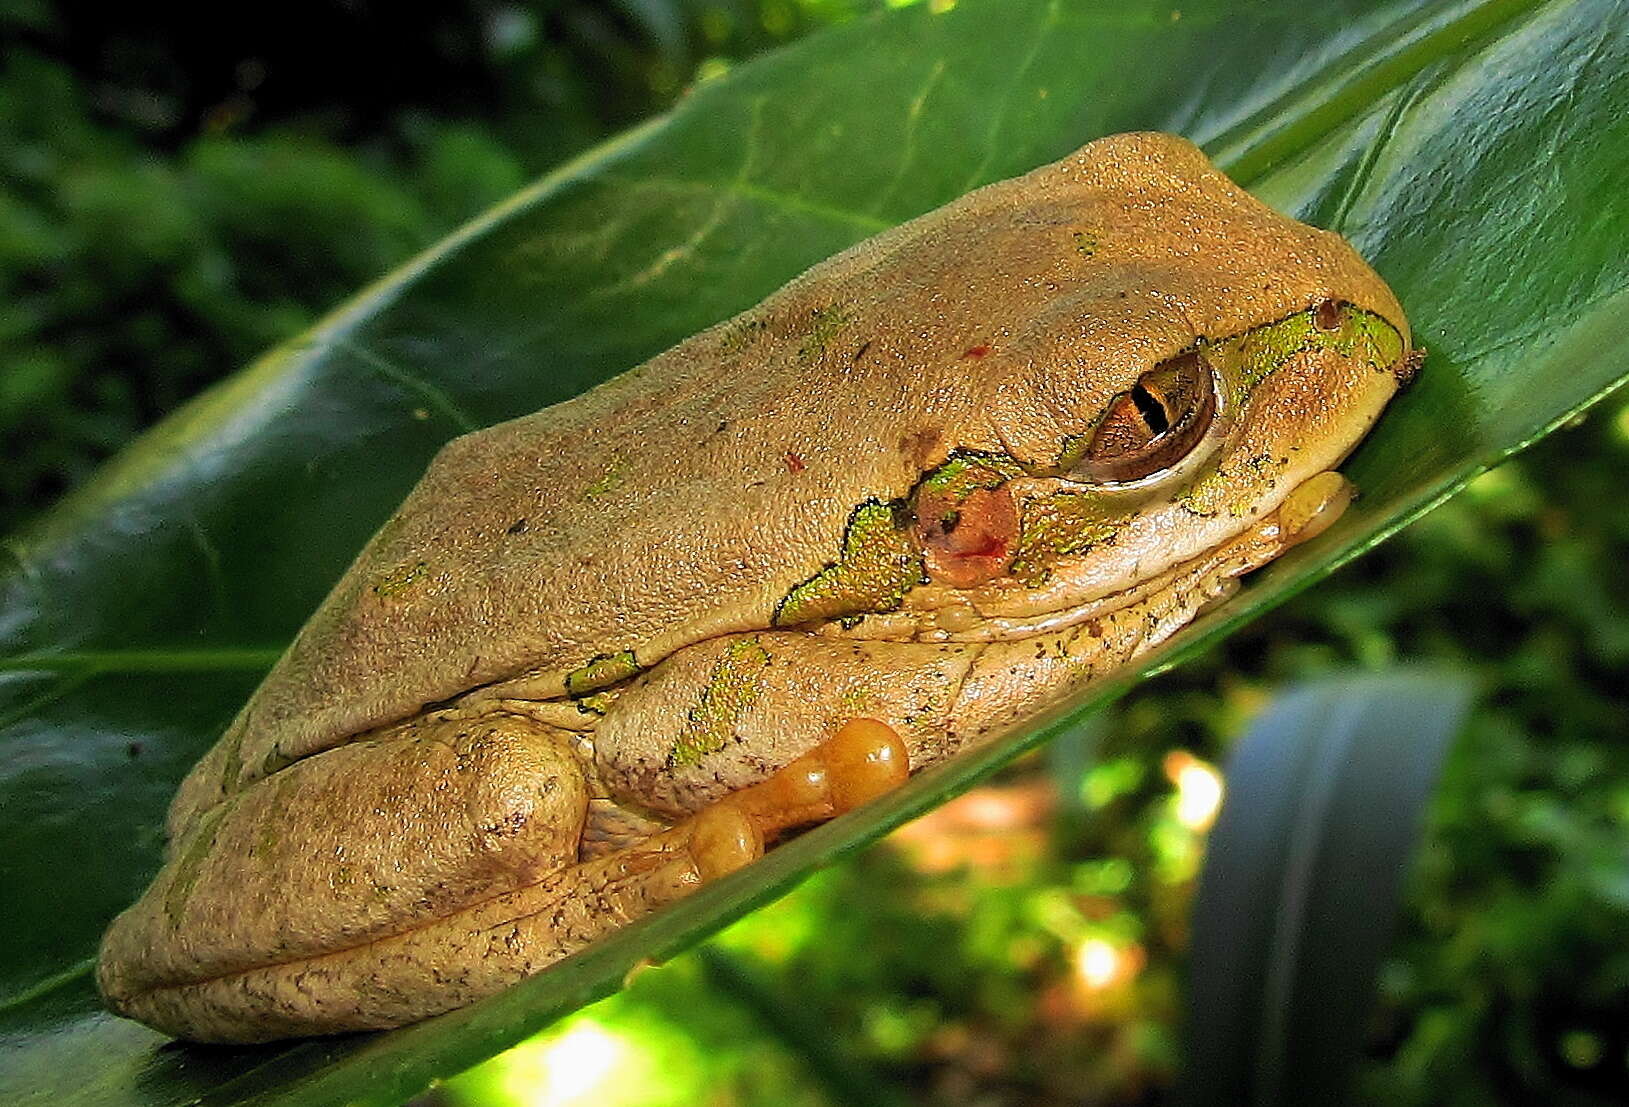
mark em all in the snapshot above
pixel 607 651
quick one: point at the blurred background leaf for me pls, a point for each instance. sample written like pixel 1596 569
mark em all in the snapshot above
pixel 1301 880
pixel 1474 151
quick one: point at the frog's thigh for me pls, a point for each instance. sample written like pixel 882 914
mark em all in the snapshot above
pixel 341 849
pixel 455 960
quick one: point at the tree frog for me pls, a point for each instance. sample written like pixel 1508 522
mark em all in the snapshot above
pixel 607 652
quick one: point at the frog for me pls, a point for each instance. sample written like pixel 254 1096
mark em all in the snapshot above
pixel 610 652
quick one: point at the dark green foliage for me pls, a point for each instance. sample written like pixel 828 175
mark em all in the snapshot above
pixel 1302 875
pixel 180 197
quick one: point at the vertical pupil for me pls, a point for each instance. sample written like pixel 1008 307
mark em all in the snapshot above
pixel 1152 411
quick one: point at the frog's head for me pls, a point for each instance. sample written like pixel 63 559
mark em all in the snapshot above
pixel 1184 399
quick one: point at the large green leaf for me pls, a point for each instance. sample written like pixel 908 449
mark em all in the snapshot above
pixel 1477 153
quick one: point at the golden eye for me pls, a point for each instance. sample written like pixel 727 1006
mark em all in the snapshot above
pixel 1154 425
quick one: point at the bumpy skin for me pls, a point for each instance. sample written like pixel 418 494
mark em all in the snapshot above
pixel 587 625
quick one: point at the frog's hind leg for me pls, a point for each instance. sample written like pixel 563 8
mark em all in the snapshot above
pixel 457 958
pixel 335 853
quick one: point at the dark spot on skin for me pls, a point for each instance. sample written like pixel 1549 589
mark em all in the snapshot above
pixel 510 825
pixel 517 526
pixel 794 462
pixel 978 351
pixel 1328 315
pixel 924 448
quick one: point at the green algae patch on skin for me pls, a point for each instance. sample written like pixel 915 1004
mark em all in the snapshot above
pixel 190 865
pixel 878 566
pixel 1060 525
pixel 824 323
pixel 596 703
pixel 741 334
pixel 608 482
pixel 1257 354
pixel 966 471
pixel 733 686
pixel 399 580
pixel 601 672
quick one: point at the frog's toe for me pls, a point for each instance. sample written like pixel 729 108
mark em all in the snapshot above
pixel 864 759
pixel 724 838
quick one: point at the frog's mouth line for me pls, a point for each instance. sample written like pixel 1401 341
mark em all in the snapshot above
pixel 943 614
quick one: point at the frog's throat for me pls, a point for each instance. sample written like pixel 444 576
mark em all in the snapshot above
pixel 939 614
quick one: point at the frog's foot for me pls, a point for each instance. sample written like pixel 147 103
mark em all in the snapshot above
pixel 864 759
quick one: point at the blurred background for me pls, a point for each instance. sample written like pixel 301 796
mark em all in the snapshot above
pixel 176 199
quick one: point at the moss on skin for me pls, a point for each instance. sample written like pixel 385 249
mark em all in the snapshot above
pixel 1060 525
pixel 967 470
pixel 190 864
pixel 608 483
pixel 824 323
pixel 601 672
pixel 597 703
pixel 1257 354
pixel 879 564
pixel 400 579
pixel 741 334
pixel 733 686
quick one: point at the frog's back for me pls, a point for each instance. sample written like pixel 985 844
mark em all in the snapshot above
pixel 685 498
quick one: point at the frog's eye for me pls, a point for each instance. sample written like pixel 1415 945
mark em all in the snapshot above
pixel 1154 425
